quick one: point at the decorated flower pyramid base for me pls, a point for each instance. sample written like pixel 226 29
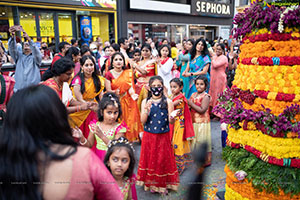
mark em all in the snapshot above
pixel 262 108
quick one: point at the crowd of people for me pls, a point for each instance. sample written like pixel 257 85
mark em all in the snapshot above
pixel 105 98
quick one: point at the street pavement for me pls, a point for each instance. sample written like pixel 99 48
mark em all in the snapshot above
pixel 214 180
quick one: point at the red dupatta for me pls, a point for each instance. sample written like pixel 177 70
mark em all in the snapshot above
pixel 164 60
pixel 188 123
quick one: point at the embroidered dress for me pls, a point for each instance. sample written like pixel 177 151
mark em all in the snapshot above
pixel 181 133
pixel 130 111
pixel 157 169
pixel 101 147
pixel 201 123
pixel 64 93
pixel 82 118
pixel 182 62
pixel 129 186
pixel 197 65
pixel 142 80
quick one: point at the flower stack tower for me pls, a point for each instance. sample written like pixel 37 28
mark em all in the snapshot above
pixel 262 108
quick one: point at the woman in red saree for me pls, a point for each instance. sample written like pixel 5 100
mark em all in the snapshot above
pixel 57 79
pixel 87 85
pixel 122 83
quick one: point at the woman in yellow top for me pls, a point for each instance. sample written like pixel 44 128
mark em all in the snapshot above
pixel 87 86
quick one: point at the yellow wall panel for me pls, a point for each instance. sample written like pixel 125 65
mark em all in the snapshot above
pixel 104 27
pixel 29 26
pixel 65 26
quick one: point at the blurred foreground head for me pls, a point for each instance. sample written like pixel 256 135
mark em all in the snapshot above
pixel 35 131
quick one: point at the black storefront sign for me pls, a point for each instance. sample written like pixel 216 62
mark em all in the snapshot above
pixel 211 8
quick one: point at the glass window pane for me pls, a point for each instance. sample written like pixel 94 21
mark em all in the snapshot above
pixel 46 26
pixel 100 26
pixel 65 27
pixel 6 20
pixel 27 20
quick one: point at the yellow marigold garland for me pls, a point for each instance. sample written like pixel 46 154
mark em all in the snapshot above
pixel 277 107
pixel 276 147
pixel 284 79
pixel 230 194
pixel 245 189
pixel 270 48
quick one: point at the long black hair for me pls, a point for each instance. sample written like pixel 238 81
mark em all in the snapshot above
pixel 164 102
pixel 61 66
pixel 72 51
pixel 109 99
pixel 95 74
pixel 191 41
pixel 112 60
pixel 204 52
pixel 161 47
pixel 147 46
pixel 28 134
pixel 117 144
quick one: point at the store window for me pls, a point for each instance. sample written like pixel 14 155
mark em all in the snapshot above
pixel 197 31
pixel 5 22
pixel 46 26
pixel 27 20
pixel 65 27
pixel 100 26
pixel 174 33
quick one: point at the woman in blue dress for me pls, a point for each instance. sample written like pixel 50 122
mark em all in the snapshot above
pixel 182 62
pixel 199 64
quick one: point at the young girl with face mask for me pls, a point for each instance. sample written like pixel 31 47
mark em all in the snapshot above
pixel 157 157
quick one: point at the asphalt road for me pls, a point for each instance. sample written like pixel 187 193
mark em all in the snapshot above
pixel 214 175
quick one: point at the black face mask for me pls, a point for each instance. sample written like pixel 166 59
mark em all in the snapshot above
pixel 157 91
pixel 44 48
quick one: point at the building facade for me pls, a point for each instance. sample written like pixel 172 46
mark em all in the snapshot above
pixel 60 20
pixel 175 19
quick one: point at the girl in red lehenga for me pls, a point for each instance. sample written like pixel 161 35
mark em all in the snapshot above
pixel 143 72
pixel 157 169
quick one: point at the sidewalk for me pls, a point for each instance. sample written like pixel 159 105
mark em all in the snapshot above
pixel 214 175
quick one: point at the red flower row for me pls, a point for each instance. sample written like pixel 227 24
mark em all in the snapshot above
pixel 273 36
pixel 293 162
pixel 279 97
pixel 268 61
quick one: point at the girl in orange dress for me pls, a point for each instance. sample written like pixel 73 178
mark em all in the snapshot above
pixel 122 83
pixel 199 103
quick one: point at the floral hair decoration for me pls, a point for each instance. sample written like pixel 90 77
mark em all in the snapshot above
pixel 121 140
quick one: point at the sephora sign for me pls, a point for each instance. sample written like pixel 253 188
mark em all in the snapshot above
pixel 211 8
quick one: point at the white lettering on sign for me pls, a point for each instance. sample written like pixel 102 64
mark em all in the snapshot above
pixel 214 8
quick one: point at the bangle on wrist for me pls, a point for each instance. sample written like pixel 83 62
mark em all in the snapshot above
pixel 83 143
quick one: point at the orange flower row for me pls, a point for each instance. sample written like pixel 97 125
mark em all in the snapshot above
pixel 284 79
pixel 270 48
pixel 276 107
pixel 246 190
